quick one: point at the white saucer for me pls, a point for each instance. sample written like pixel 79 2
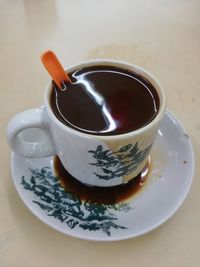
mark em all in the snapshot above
pixel 168 184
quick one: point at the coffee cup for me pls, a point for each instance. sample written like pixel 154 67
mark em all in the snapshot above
pixel 93 157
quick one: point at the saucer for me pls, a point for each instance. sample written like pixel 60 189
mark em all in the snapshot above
pixel 169 180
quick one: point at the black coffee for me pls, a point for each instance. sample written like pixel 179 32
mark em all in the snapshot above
pixel 105 100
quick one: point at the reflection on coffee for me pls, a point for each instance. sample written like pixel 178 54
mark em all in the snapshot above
pixel 105 100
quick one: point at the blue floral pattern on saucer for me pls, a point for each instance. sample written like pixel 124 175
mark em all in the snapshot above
pixel 69 209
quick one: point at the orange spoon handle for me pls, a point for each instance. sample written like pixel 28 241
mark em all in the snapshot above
pixel 54 68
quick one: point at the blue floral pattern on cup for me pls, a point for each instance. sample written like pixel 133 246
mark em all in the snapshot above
pixel 119 163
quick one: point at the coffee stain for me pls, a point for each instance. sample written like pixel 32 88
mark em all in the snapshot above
pixel 135 54
pixel 144 171
pixel 97 194
pixel 116 145
pixel 187 136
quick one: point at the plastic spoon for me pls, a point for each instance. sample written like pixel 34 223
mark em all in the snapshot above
pixel 54 68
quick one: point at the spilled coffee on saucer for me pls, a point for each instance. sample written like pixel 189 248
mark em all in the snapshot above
pixel 105 100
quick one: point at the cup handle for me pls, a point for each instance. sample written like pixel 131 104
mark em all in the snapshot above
pixel 39 143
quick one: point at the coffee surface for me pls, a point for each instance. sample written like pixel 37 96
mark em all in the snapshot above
pixel 105 100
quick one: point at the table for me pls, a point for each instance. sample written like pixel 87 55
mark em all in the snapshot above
pixel 161 36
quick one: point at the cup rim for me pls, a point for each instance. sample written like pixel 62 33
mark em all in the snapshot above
pixel 123 65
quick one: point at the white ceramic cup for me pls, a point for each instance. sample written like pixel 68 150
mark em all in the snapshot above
pixel 91 159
